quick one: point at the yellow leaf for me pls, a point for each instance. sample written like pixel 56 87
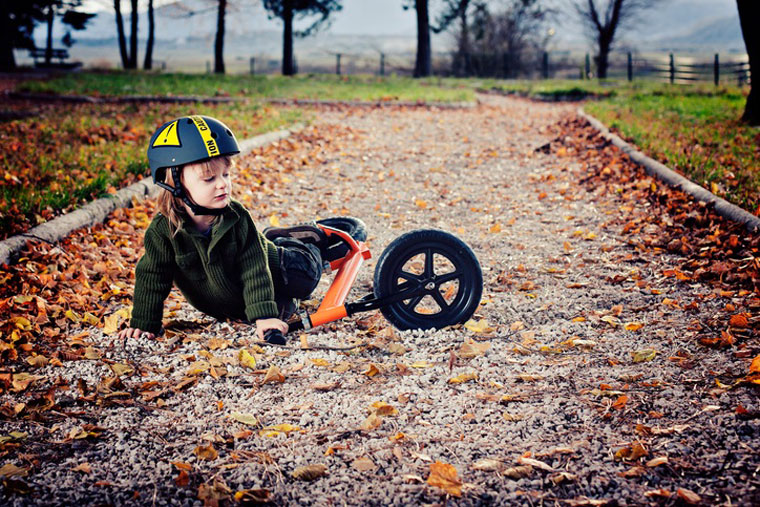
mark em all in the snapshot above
pixel 643 355
pixel 246 359
pixel 372 370
pixel 633 326
pixel 383 408
pixel 320 362
pixel 464 377
pixel 495 228
pixel 90 319
pixel 253 496
pixel 468 350
pixel 248 419
pixel 11 470
pixel 420 203
pixel 609 319
pixel 479 327
pixel 198 367
pixel 72 316
pixel 421 364
pixel 274 221
pixel 273 375
pixel 755 366
pixel 284 428
pixel 371 422
pixel 444 476
pixel 111 323
pixel 22 323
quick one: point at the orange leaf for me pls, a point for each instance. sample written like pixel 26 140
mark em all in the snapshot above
pixel 755 366
pixel 739 320
pixel 444 476
pixel 620 402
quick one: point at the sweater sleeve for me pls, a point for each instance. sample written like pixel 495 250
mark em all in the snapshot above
pixel 153 278
pixel 258 288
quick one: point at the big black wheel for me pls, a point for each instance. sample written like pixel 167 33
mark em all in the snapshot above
pixel 439 262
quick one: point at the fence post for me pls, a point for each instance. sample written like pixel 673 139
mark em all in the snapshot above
pixel 630 67
pixel 587 74
pixel 252 64
pixel 382 64
pixel 337 64
pixel 716 69
pixel 545 65
pixel 672 69
pixel 208 67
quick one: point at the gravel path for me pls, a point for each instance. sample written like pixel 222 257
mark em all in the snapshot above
pixel 557 410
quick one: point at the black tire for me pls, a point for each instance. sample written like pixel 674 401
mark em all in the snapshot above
pixel 447 262
pixel 337 248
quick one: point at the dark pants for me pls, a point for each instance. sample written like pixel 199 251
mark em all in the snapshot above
pixel 300 271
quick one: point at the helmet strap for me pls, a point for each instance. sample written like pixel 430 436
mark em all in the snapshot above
pixel 179 191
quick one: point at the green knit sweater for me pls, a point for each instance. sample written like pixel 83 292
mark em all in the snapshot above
pixel 226 275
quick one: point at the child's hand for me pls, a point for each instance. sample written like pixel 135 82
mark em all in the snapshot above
pixel 264 325
pixel 133 332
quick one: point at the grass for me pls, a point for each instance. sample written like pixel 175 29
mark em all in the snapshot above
pixel 307 86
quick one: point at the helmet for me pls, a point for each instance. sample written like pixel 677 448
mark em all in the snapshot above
pixel 186 140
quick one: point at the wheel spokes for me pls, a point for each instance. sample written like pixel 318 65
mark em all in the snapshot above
pixel 442 303
pixel 447 277
pixel 429 269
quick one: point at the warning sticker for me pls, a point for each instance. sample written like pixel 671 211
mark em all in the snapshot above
pixel 168 136
pixel 205 131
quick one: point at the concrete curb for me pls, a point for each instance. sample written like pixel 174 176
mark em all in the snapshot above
pixel 97 210
pixel 672 178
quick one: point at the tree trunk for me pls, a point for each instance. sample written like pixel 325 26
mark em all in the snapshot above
pixel 422 66
pixel 749 16
pixel 7 58
pixel 122 38
pixel 603 58
pixel 133 37
pixel 148 63
pixel 219 44
pixel 287 39
pixel 49 42
pixel 465 43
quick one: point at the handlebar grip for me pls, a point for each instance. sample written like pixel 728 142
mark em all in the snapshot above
pixel 274 336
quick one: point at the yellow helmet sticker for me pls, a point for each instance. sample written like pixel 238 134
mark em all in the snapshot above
pixel 168 136
pixel 205 132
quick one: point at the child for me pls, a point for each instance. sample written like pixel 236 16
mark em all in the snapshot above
pixel 206 244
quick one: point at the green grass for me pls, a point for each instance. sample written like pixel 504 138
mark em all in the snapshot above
pixel 307 86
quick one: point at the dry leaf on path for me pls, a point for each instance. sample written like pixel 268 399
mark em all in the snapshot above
pixel 444 476
pixel 274 375
pixel 206 452
pixel 309 472
pixel 688 496
pixel 534 463
pixel 364 464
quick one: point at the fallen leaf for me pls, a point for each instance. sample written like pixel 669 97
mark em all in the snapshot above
pixel 83 467
pixel 253 496
pixel 464 377
pixel 309 472
pixel 421 364
pixel 534 463
pixel 248 419
pixel 444 476
pixel 320 362
pixel 688 496
pixel 372 422
pixel 479 327
pixel 11 470
pixel 468 350
pixel 382 408
pixel 643 355
pixel 488 465
pixel 633 326
pixel 364 464
pixel 273 375
pixel 121 369
pixel 371 370
pixel 754 367
pixel 246 359
pixel 654 462
pixel 517 472
pixel 739 320
pixel 206 452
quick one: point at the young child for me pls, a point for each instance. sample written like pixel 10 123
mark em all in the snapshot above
pixel 206 244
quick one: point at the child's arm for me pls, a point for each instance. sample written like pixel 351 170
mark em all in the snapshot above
pixel 258 287
pixel 153 280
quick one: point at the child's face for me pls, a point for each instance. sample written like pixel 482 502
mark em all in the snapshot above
pixel 211 190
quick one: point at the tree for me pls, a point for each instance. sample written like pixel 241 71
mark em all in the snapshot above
pixel 287 10
pixel 423 66
pixel 148 63
pixel 616 16
pixel 749 16
pixel 219 43
pixel 128 58
pixel 19 17
pixel 457 9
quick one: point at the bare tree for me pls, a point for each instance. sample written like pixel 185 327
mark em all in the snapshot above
pixel 602 24
pixel 453 10
pixel 423 65
pixel 148 62
pixel 128 58
pixel 219 42
pixel 749 16
pixel 287 10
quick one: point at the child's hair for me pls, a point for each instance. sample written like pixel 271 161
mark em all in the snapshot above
pixel 172 207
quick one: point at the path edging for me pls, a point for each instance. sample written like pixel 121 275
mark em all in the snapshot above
pixel 97 210
pixel 672 178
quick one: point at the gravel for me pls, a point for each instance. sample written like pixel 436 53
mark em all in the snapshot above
pixel 549 263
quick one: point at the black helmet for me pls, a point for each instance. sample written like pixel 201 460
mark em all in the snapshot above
pixel 186 140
